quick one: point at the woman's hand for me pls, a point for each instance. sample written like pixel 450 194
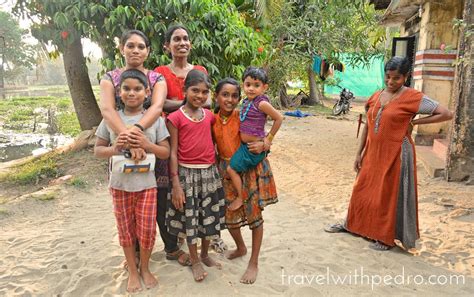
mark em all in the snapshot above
pixel 358 163
pixel 257 147
pixel 138 139
pixel 177 197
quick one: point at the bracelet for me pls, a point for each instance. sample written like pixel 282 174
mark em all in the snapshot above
pixel 139 127
pixel 270 137
pixel 172 174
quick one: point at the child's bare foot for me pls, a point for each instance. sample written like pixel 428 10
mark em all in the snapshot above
pixel 250 275
pixel 134 284
pixel 209 262
pixel 236 253
pixel 149 279
pixel 236 204
pixel 198 271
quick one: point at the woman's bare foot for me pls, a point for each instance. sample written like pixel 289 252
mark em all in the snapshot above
pixel 236 253
pixel 209 262
pixel 198 271
pixel 149 279
pixel 134 284
pixel 250 275
pixel 236 204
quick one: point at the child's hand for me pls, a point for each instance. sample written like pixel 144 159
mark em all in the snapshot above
pixel 177 197
pixel 138 154
pixel 267 143
pixel 257 147
pixel 138 139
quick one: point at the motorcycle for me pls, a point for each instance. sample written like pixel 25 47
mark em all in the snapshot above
pixel 343 104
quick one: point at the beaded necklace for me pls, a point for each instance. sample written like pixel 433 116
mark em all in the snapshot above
pixel 193 118
pixel 245 110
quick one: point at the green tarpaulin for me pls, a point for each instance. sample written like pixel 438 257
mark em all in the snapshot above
pixel 362 80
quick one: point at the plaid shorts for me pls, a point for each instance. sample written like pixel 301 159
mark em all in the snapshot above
pixel 135 213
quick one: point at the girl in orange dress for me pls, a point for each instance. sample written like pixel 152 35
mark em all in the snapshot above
pixel 384 205
pixel 259 187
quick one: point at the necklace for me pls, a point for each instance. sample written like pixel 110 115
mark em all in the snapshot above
pixel 175 71
pixel 224 118
pixel 245 110
pixel 382 107
pixel 193 118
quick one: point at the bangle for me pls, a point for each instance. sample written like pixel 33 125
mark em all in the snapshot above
pixel 139 127
pixel 270 137
pixel 172 174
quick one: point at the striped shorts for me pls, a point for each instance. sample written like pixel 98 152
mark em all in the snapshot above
pixel 135 213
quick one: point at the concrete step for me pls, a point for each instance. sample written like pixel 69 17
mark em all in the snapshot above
pixel 433 164
pixel 440 148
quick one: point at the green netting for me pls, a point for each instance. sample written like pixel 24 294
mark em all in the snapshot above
pixel 362 80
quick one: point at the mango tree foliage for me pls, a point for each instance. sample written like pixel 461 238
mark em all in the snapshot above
pixel 18 54
pixel 221 40
pixel 319 27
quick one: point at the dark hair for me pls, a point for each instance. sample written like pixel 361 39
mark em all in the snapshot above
pixel 171 30
pixel 255 73
pixel 127 34
pixel 228 80
pixel 193 78
pixel 135 74
pixel 220 84
pixel 400 64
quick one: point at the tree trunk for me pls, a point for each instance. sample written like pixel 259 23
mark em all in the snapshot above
pixel 460 161
pixel 80 87
pixel 313 87
pixel 284 100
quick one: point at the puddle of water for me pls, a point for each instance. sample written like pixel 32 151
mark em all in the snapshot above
pixel 15 146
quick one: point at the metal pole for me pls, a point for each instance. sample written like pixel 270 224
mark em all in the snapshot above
pixel 2 48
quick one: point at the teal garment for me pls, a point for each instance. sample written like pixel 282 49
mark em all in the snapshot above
pixel 243 159
pixel 317 65
pixel 362 80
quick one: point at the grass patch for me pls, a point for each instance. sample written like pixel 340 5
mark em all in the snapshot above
pixel 21 115
pixel 78 182
pixel 68 124
pixel 64 104
pixel 4 212
pixel 33 172
pixel 46 196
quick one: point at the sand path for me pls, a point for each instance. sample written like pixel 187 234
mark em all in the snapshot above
pixel 69 246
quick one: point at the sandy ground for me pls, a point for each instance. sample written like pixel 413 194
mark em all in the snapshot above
pixel 69 246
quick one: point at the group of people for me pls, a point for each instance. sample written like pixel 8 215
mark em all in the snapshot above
pixel 211 171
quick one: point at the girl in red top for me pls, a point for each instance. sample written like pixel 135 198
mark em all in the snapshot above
pixel 197 206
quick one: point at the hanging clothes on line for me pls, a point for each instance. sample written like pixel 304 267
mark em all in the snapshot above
pixel 325 69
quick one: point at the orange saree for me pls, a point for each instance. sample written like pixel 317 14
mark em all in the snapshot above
pixel 373 207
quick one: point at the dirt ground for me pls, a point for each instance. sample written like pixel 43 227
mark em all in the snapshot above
pixel 68 245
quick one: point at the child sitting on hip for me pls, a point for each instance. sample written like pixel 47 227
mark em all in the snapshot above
pixel 253 115
pixel 134 193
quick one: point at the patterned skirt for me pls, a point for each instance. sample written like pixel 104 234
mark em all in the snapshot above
pixel 259 190
pixel 203 215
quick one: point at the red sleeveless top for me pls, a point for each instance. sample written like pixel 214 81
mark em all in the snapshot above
pixel 175 84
